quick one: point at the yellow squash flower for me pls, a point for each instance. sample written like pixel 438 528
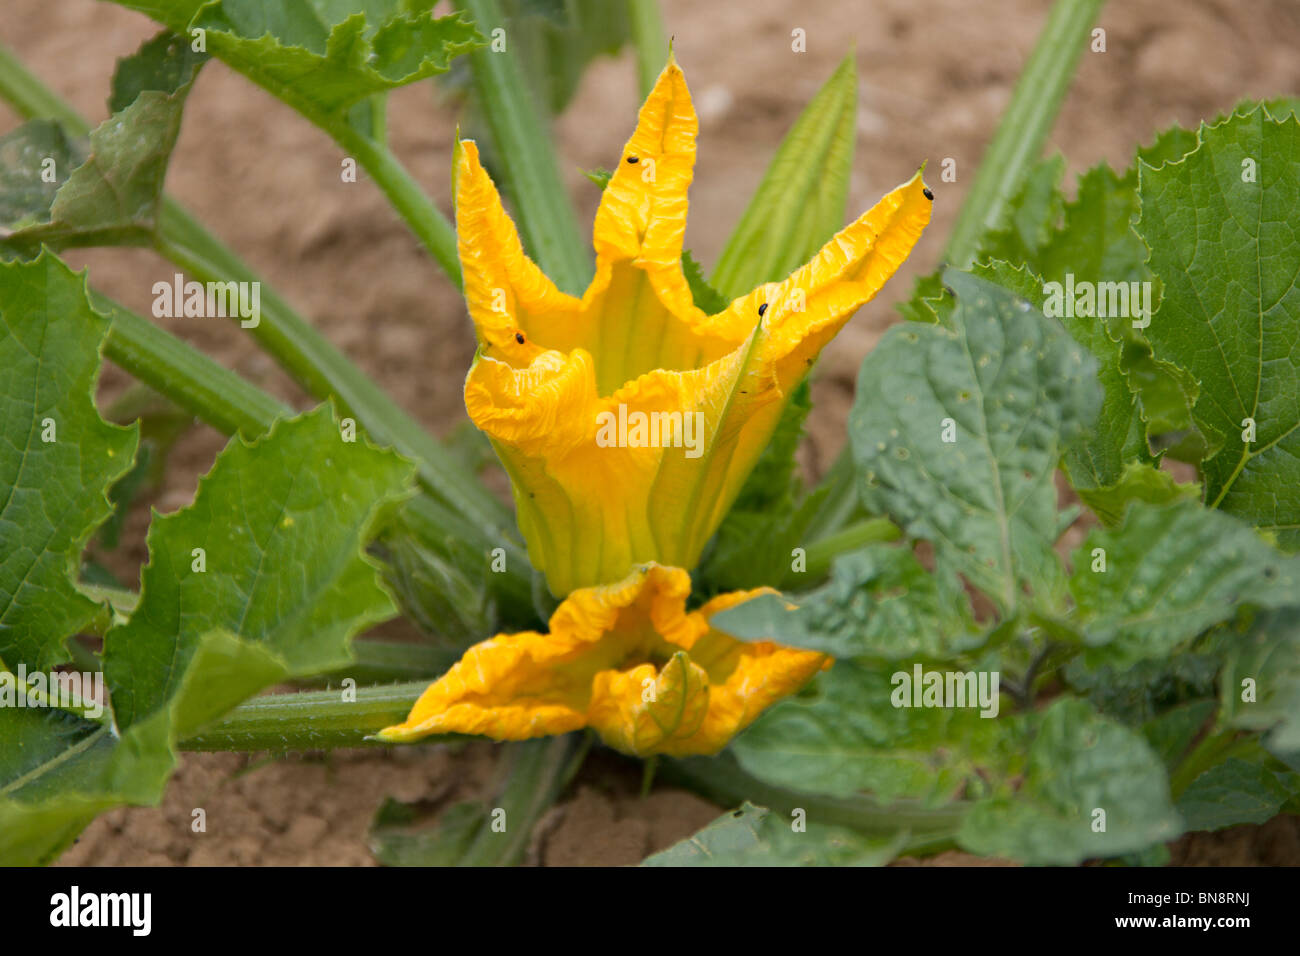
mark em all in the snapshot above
pixel 628 419
pixel 626 660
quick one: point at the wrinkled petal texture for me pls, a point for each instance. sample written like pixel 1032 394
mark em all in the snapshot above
pixel 626 660
pixel 553 370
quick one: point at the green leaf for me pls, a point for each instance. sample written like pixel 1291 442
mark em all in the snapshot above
pixel 1094 248
pixel 281 524
pixel 929 303
pixel 1261 681
pixel 1227 253
pixel 1137 693
pixel 1234 792
pixel 321 56
pixel 115 195
pixel 800 203
pixel 166 64
pixel 708 299
pixel 1171 572
pixel 845 736
pixel 57 456
pixel 601 178
pixel 880 603
pixel 65 771
pixel 755 836
pixel 1169 146
pixel 1032 214
pixel 28 181
pixel 1017 390
pixel 1078 763
pixel 1140 481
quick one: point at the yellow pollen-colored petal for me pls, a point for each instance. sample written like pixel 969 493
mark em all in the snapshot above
pixel 625 659
pixel 509 297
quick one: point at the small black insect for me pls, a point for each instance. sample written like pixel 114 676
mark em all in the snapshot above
pixel 519 337
pixel 927 194
pixel 632 159
pixel 761 309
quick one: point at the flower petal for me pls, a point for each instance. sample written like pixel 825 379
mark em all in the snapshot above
pixel 518 686
pixel 601 484
pixel 626 660
pixel 507 294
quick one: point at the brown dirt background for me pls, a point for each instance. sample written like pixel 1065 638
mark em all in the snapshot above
pixel 934 76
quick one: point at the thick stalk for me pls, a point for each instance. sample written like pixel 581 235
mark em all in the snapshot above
pixel 821 553
pixel 189 378
pixel 430 226
pixel 308 720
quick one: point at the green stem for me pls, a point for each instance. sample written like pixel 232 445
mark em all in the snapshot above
pixel 649 40
pixel 1025 126
pixel 526 155
pixel 820 554
pixel 309 720
pixel 430 226
pixel 31 98
pixel 186 376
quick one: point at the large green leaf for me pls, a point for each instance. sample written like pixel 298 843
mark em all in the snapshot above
pixel 755 836
pixel 879 603
pixel 1222 230
pixel 1234 792
pixel 1171 572
pixel 57 772
pixel 1013 389
pixel 113 194
pixel 57 456
pixel 281 523
pixel 321 56
pixel 1093 247
pixel 845 736
pixel 1078 763
pixel 799 204
pixel 1260 686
